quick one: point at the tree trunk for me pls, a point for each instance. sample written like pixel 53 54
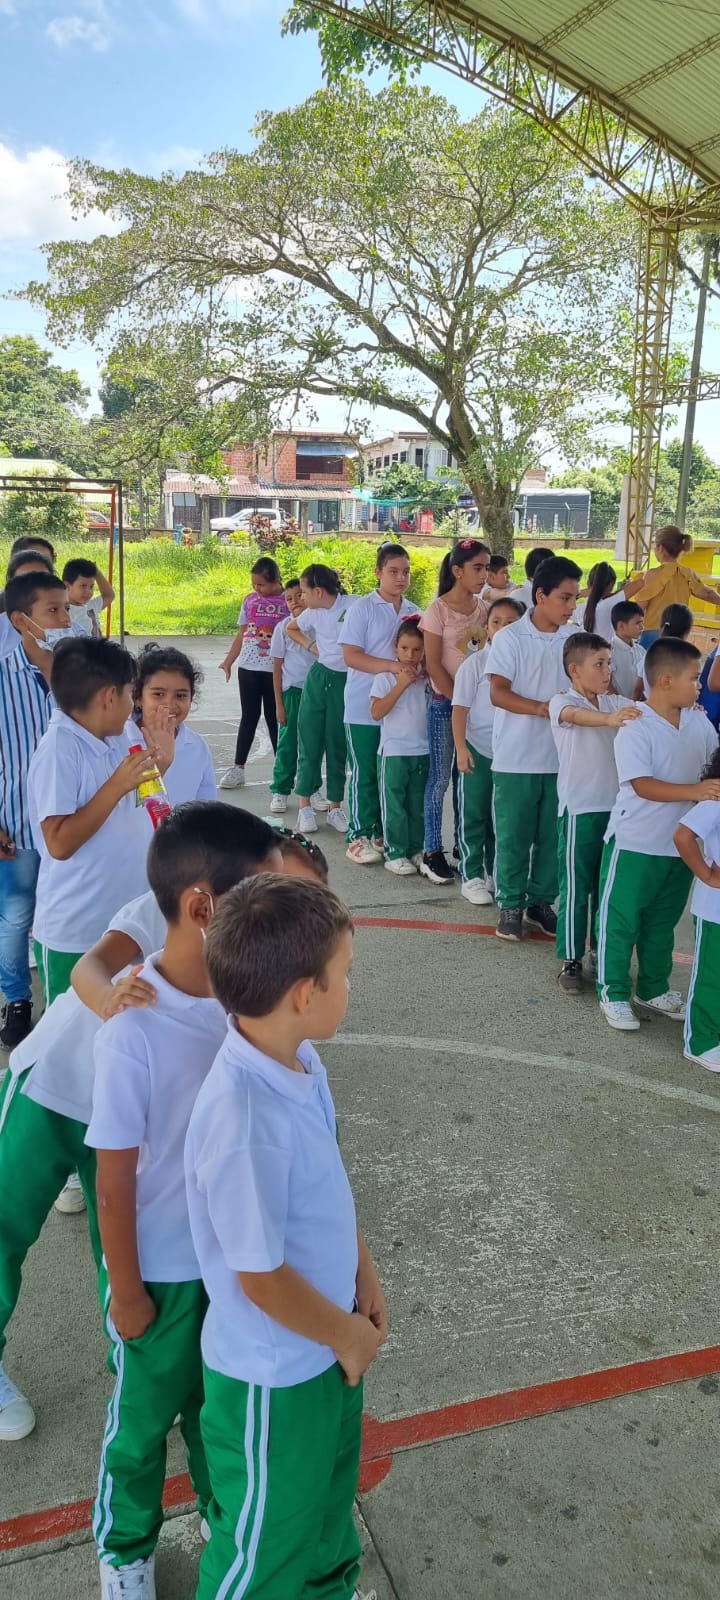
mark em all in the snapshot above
pixel 495 502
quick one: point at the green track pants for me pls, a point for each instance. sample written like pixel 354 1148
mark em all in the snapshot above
pixel 402 781
pixel 54 968
pixel 284 1470
pixel 476 837
pixel 321 730
pixel 364 809
pixel 525 821
pixel 642 899
pixel 157 1377
pixel 702 1019
pixel 283 778
pixel 580 848
pixel 38 1151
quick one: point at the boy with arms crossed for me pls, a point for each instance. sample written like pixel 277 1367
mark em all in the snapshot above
pixel 296 1310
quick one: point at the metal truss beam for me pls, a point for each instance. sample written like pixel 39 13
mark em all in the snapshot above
pixel 626 150
pixel 657 268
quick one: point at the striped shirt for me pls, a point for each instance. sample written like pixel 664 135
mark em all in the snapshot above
pixel 25 707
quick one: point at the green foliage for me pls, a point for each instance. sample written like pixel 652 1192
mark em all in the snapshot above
pixel 403 481
pixel 346 49
pixel 57 517
pixel 456 525
pixel 702 466
pixel 39 402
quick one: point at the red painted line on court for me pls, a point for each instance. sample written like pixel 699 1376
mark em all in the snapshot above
pixel 381 1440
pixel 485 930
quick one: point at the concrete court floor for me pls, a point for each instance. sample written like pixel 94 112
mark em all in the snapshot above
pixel 540 1195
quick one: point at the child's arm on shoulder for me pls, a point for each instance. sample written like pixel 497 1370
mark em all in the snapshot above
pixel 296 634
pixel 588 717
pixel 93 974
pixel 503 696
pixel 131 1307
pixel 459 719
pixel 64 835
pixel 655 789
pixel 688 848
pixel 293 1302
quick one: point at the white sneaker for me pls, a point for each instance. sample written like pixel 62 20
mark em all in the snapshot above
pixel 205 1530
pixel 417 860
pixel 234 778
pixel 490 885
pixel 401 866
pixel 278 804
pixel 306 820
pixel 710 1060
pixel 620 1015
pixel 337 819
pixel 474 891
pixel 670 1004
pixel 318 801
pixel 135 1582
pixel 363 853
pixel 71 1199
pixel 17 1418
pixel 359 1595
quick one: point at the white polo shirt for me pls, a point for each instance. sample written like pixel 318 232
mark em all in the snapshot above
pixel 59 1051
pixel 76 898
pixel 704 821
pixel 587 775
pixel 372 624
pixel 403 731
pixel 523 592
pixel 603 614
pixel 191 774
pixel 86 619
pixel 533 662
pixel 472 689
pixel 149 1067
pixel 627 664
pixel 266 1185
pixel 296 660
pixel 324 624
pixel 652 748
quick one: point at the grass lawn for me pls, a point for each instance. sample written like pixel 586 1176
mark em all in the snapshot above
pixel 173 590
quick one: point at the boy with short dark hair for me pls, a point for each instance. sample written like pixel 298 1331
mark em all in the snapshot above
pixel 291 663
pixel 525 667
pixel 37 604
pixel 86 823
pixel 644 884
pixel 80 576
pixel 296 1310
pixel 584 720
pixel 533 560
pixel 627 657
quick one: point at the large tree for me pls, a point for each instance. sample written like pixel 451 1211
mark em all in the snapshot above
pixel 378 250
pixel 40 402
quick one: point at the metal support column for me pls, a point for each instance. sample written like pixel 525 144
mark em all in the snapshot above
pixel 694 375
pixel 656 283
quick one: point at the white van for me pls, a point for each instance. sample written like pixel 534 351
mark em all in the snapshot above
pixel 243 519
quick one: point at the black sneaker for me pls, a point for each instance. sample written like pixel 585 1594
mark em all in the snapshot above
pixel 510 924
pixel 435 867
pixel 570 977
pixel 16 1023
pixel 543 918
pixel 456 853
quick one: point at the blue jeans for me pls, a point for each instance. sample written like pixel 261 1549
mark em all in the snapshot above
pixel 18 879
pixel 442 768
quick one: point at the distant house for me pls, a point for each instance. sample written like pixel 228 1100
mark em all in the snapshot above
pixel 413 446
pixel 307 474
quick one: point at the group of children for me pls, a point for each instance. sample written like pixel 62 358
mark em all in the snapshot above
pixel 170 1088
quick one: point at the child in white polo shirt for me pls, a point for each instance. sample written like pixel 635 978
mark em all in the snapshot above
pixel 644 884
pixel 697 840
pixel 399 703
pixel 525 667
pixel 149 1066
pixel 627 658
pixel 291 663
pixel 46 1098
pixel 584 720
pixel 473 717
pixel 89 831
pixel 296 1310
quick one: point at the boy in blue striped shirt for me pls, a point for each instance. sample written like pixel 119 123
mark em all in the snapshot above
pixel 37 605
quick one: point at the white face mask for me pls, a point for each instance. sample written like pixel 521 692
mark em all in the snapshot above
pixel 51 636
pixel 203 934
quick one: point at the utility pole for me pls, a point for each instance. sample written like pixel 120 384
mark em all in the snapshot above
pixel 686 463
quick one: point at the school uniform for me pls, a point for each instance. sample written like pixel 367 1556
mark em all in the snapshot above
pixel 587 790
pixel 525 765
pixel 25 708
pixel 627 664
pixel 702 1016
pixel 86 619
pixel 149 1067
pixel 9 636
pixel 266 1186
pixel 296 664
pixel 372 624
pixel 403 763
pixel 603 616
pixel 45 1108
pixel 476 836
pixel 643 883
pixel 191 774
pixel 76 898
pixel 322 706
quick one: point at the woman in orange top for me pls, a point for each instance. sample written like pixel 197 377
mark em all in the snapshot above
pixel 670 584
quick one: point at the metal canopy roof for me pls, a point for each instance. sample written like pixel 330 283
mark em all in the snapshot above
pixel 633 86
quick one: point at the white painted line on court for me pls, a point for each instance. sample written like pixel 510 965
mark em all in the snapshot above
pixel 523 1058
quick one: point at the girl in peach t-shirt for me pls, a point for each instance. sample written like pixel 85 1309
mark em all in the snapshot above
pixel 454 622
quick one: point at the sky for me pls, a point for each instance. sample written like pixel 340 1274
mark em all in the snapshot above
pixel 154 85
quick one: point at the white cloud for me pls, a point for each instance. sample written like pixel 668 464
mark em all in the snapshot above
pixel 7 8
pixel 64 31
pixel 34 203
pixel 176 158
